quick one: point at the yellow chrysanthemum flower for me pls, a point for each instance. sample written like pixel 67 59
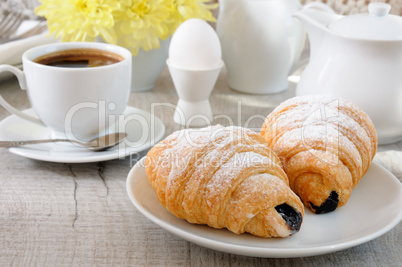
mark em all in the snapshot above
pixel 183 10
pixel 141 23
pixel 134 24
pixel 80 20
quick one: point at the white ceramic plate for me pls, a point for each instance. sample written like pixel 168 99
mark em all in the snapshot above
pixel 143 131
pixel 373 209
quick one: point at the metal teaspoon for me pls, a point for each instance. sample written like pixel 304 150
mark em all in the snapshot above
pixel 97 144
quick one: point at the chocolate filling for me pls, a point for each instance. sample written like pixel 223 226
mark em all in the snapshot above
pixel 329 205
pixel 292 217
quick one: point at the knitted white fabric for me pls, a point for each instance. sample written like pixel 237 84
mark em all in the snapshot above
pixel 357 6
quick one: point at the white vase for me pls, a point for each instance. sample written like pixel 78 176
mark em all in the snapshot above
pixel 147 66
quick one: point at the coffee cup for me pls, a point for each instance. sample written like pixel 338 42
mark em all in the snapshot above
pixel 76 89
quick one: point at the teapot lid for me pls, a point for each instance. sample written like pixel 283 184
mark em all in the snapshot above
pixel 378 24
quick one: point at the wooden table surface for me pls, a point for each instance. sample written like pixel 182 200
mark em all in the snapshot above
pixel 60 214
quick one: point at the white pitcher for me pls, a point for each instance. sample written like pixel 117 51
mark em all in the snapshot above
pixel 359 58
pixel 260 41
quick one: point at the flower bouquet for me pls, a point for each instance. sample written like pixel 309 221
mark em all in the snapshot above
pixel 142 26
pixel 133 24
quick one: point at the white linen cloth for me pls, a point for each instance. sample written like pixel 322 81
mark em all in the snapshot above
pixel 11 52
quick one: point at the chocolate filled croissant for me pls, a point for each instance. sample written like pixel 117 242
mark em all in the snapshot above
pixel 225 177
pixel 326 145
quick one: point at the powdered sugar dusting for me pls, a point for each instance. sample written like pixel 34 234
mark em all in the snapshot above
pixel 313 118
pixel 320 123
pixel 189 144
pixel 230 171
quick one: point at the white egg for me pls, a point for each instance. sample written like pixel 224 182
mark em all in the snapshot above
pixel 195 46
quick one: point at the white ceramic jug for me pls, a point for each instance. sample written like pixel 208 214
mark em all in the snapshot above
pixel 260 41
pixel 359 58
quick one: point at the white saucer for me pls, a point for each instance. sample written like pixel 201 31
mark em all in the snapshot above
pixel 143 131
pixel 373 209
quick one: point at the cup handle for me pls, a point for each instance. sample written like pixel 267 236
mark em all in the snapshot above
pixel 21 79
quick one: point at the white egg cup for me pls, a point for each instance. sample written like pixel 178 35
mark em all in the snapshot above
pixel 193 88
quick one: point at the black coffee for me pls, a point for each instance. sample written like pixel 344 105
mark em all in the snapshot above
pixel 79 58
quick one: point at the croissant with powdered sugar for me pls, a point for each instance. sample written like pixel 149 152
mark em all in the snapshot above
pixel 326 146
pixel 225 177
